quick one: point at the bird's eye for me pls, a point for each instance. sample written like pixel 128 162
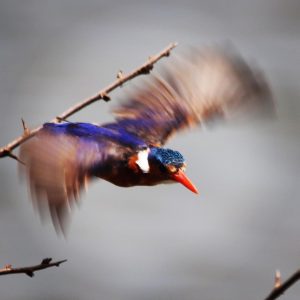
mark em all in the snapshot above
pixel 171 168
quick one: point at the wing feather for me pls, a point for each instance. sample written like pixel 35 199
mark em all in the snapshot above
pixel 198 87
pixel 58 167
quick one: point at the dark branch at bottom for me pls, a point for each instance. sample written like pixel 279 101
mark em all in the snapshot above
pixel 29 271
pixel 282 287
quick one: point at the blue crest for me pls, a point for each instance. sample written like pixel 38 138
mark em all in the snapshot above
pixel 167 156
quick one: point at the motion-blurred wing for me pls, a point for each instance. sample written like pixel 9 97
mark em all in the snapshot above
pixel 59 162
pixel 194 88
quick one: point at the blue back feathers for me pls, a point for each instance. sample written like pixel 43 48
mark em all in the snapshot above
pixel 167 156
pixel 95 133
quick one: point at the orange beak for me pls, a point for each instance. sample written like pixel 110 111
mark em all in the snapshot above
pixel 183 179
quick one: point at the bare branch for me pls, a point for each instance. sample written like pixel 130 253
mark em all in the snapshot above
pixel 29 271
pixel 281 287
pixel 101 95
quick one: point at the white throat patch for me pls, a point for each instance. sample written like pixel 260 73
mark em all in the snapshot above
pixel 142 160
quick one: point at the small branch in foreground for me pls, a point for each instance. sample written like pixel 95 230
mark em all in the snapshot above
pixel 101 95
pixel 29 271
pixel 281 287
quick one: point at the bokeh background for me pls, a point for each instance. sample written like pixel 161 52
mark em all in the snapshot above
pixel 164 242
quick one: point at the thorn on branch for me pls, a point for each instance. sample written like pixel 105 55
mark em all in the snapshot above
pixel 120 75
pixel 29 273
pixel 61 119
pixel 105 97
pixel 46 261
pixel 280 287
pixel 147 69
pixel 278 280
pixel 7 152
pixel 26 131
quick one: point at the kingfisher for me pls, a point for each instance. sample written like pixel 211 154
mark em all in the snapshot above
pixel 198 87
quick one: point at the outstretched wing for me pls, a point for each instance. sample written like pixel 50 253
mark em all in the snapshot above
pixel 197 87
pixel 60 160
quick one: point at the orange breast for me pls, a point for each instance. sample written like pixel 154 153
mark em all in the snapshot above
pixel 132 163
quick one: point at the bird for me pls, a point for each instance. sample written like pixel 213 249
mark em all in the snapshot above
pixel 197 87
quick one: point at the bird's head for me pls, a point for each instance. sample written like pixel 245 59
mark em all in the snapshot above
pixel 171 164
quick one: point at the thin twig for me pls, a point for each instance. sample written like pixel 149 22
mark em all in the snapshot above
pixel 279 289
pixel 101 95
pixel 29 271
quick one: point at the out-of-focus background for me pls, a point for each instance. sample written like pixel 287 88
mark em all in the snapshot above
pixel 154 243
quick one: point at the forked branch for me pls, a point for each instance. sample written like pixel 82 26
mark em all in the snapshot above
pixel 101 95
pixel 29 271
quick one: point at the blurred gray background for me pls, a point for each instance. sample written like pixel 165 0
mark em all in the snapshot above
pixel 163 242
